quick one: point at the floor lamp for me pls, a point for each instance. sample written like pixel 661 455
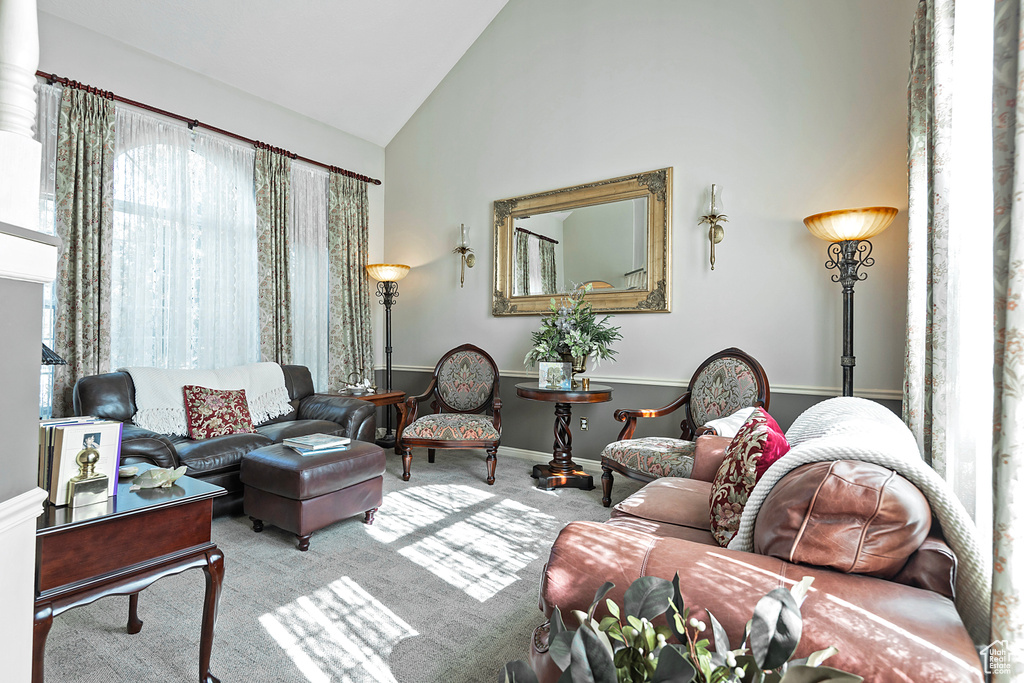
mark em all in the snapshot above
pixel 387 276
pixel 848 231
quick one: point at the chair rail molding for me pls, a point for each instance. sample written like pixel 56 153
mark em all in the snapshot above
pixel 797 389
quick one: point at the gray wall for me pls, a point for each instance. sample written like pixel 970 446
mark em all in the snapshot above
pixel 21 307
pixel 529 425
pixel 794 106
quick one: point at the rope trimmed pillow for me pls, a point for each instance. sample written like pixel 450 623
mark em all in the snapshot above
pixel 757 444
pixel 216 412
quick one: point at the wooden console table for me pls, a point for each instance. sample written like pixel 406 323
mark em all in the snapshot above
pixel 562 471
pixel 122 546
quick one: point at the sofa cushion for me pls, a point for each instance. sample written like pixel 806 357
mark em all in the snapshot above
pixel 216 454
pixel 656 456
pixel 852 516
pixel 279 431
pixel 735 479
pixel 661 529
pixel 673 500
pixel 216 412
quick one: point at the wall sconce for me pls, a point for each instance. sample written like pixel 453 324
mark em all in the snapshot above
pixel 468 257
pixel 713 217
pixel 847 232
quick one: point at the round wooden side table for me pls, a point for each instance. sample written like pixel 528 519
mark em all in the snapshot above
pixel 562 471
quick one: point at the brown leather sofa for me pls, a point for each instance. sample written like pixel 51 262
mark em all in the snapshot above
pixel 112 396
pixel 883 575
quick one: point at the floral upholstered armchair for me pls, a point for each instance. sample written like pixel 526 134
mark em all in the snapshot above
pixel 466 409
pixel 726 382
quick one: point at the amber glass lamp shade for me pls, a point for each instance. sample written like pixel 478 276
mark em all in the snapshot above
pixel 387 272
pixel 850 224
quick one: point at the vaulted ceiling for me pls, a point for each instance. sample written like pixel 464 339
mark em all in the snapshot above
pixel 362 66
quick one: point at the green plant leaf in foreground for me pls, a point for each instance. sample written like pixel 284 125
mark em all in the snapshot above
pixel 601 592
pixel 818 674
pixel 775 629
pixel 673 666
pixel 592 660
pixel 648 597
pixel 517 672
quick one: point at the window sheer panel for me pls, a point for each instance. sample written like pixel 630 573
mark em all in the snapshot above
pixel 151 318
pixel 225 326
pixel 184 288
pixel 308 263
pixel 47 116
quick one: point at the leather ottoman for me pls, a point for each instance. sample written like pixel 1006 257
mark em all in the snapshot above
pixel 304 493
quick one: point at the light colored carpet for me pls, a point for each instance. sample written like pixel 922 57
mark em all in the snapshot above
pixel 443 587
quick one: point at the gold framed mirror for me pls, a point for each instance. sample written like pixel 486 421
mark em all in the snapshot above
pixel 612 234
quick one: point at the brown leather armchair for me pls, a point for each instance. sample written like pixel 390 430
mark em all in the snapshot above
pixel 466 409
pixel 892 621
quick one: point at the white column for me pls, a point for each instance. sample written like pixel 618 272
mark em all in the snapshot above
pixel 19 153
pixel 18 546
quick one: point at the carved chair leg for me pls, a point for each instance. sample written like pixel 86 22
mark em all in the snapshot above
pixel 134 623
pixel 303 542
pixel 406 462
pixel 368 517
pixel 607 479
pixel 430 455
pixel 492 461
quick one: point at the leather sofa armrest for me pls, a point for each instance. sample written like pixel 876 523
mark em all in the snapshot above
pixel 708 456
pixel 138 444
pixel 863 616
pixel 357 418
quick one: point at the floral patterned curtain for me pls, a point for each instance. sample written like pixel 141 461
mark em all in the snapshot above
pixel 1008 444
pixel 273 187
pixel 547 267
pixel 350 345
pixel 927 401
pixel 521 274
pixel 84 219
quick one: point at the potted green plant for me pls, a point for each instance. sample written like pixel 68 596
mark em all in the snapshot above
pixel 626 647
pixel 572 332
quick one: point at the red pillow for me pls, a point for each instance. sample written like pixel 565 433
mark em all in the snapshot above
pixel 216 412
pixel 760 438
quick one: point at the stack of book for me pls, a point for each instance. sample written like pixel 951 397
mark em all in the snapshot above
pixel 60 442
pixel 315 444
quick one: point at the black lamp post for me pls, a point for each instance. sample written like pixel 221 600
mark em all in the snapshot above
pixel 387 276
pixel 848 231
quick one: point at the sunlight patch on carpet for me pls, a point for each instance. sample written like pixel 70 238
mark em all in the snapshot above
pixel 405 511
pixel 481 555
pixel 339 633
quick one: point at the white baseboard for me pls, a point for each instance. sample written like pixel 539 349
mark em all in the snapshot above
pixel 21 509
pixel 541 457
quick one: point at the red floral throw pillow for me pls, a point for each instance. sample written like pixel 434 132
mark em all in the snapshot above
pixel 216 412
pixel 760 438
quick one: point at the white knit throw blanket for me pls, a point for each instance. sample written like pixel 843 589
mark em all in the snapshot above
pixel 849 428
pixel 160 402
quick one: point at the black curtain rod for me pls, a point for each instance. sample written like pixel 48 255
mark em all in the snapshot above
pixel 543 237
pixel 196 123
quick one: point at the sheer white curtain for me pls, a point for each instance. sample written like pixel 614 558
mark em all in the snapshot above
pixel 184 283
pixel 151 289
pixel 310 296
pixel 47 116
pixel 224 245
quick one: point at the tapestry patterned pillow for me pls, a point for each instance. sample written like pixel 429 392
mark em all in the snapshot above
pixel 216 412
pixel 760 438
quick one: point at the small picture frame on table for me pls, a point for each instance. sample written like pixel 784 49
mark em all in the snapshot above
pixel 554 375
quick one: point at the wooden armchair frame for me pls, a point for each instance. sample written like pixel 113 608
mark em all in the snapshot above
pixel 689 429
pixel 492 404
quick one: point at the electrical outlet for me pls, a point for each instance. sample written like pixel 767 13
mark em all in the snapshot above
pixel 584 424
